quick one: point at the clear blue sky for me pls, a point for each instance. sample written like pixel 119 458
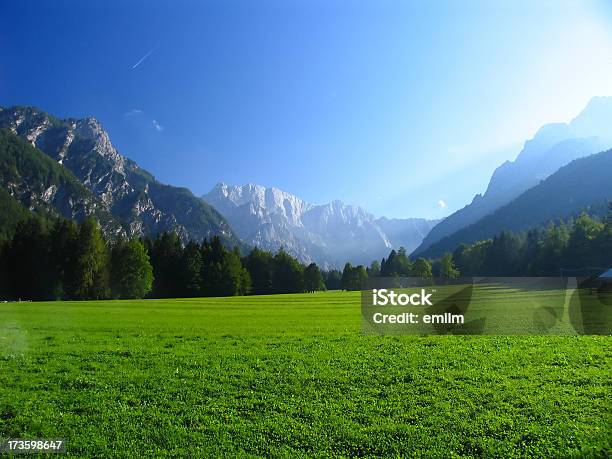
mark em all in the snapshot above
pixel 394 106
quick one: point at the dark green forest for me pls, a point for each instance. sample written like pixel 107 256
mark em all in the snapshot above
pixel 580 246
pixel 52 259
pixel 59 259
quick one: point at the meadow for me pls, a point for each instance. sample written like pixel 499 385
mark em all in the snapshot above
pixel 291 376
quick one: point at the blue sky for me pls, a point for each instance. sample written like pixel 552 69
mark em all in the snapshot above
pixel 404 108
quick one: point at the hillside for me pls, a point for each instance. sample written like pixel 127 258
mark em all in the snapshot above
pixel 553 146
pixel 584 183
pixel 11 213
pixel 125 190
pixel 31 180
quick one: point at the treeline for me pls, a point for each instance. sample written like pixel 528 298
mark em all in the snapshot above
pixel 50 260
pixel 53 260
pixel 398 264
pixel 578 246
pixel 58 259
pixel 210 269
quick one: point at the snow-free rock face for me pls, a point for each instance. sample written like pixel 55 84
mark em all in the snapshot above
pixel 41 185
pixel 131 194
pixel 553 146
pixel 272 200
pixel 329 234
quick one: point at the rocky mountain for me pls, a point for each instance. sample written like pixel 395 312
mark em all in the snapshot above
pixel 553 146
pixel 329 234
pixel 39 184
pixel 584 184
pixel 132 195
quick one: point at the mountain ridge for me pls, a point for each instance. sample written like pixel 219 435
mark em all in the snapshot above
pixel 581 184
pixel 130 193
pixel 553 146
pixel 329 234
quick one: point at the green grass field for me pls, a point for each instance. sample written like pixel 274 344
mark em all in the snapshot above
pixel 291 376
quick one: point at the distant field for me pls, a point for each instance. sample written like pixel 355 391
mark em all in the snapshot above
pixel 291 376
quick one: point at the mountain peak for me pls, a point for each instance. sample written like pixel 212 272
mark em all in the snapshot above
pixel 597 102
pixel 130 193
pixel 553 146
pixel 329 234
pixel 226 198
pixel 594 119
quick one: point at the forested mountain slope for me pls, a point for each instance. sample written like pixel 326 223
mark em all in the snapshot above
pixel 130 193
pixel 31 180
pixel 582 184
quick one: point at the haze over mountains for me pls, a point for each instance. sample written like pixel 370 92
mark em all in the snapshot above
pixel 584 184
pixel 329 234
pixel 553 146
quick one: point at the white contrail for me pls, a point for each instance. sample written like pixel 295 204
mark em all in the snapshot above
pixel 143 58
